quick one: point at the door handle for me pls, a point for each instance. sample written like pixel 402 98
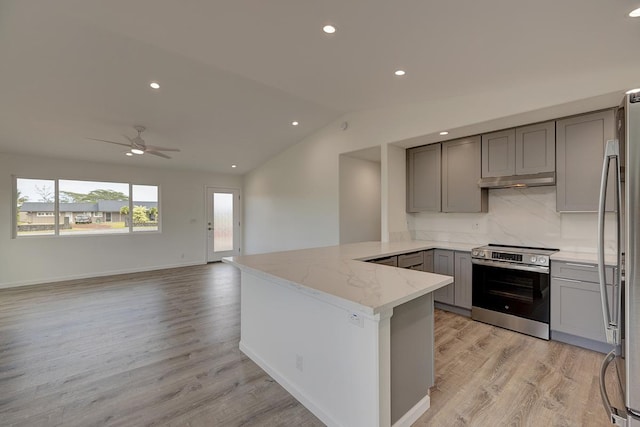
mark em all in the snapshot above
pixel 611 324
pixel 615 415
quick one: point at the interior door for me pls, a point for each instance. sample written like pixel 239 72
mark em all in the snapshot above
pixel 223 223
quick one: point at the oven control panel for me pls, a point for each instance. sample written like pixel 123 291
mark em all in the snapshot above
pixel 517 256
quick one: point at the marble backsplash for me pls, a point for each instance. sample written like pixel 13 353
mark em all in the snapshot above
pixel 525 216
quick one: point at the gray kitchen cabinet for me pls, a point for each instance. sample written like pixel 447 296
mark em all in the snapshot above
pixel 535 148
pixel 580 144
pixel 460 175
pixel 423 178
pixel 463 279
pixel 428 261
pixel 522 151
pixel 413 261
pixel 576 307
pixel 443 263
pixel 499 153
pixel 391 261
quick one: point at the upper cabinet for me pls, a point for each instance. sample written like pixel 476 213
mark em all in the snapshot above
pixel 499 153
pixel 522 151
pixel 460 175
pixel 423 179
pixel 536 148
pixel 444 177
pixel 581 142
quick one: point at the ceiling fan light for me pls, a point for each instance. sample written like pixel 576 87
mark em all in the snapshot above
pixel 137 151
pixel 128 153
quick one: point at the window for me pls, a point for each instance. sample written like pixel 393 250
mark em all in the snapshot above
pixel 145 208
pixel 72 207
pixel 35 207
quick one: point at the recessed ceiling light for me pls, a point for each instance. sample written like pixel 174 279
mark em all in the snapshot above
pixel 137 151
pixel 400 73
pixel 635 13
pixel 294 123
pixel 444 132
pixel 329 29
pixel 154 85
pixel 234 166
pixel 128 153
pixel 630 91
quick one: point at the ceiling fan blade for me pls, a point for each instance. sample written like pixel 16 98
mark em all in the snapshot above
pixel 129 139
pixel 110 142
pixel 156 148
pixel 157 153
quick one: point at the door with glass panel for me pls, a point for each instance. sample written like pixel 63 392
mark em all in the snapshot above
pixel 223 223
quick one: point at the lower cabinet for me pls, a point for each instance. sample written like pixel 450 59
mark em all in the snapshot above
pixel 463 277
pixel 391 261
pixel 576 305
pixel 443 264
pixel 440 261
pixel 458 265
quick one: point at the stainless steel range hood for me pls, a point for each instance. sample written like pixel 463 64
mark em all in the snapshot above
pixel 517 181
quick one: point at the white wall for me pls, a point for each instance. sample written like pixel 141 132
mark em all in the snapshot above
pixel 292 200
pixel 43 259
pixel 360 200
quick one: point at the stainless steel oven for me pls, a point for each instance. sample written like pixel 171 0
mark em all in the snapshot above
pixel 511 288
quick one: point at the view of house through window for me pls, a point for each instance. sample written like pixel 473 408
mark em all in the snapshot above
pixel 36 208
pixel 83 203
pixel 84 207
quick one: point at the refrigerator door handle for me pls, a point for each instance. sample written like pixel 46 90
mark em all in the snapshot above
pixel 616 416
pixel 611 324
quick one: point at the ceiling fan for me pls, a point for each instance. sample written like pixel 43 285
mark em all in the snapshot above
pixel 138 146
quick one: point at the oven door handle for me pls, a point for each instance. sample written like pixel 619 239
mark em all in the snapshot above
pixel 509 266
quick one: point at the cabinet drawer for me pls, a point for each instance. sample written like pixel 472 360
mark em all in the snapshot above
pixel 582 271
pixel 410 260
pixel 391 261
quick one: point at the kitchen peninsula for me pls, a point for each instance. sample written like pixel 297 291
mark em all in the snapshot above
pixel 351 340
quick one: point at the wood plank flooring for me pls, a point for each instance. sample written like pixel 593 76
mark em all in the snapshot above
pixel 161 348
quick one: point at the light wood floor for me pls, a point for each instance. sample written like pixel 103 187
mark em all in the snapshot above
pixel 161 348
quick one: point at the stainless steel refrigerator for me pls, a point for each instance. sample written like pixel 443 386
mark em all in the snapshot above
pixel 621 307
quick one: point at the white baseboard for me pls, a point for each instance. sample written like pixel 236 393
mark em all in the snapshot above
pixel 98 274
pixel 291 388
pixel 414 413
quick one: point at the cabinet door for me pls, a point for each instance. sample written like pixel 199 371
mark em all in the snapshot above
pixel 499 153
pixel 443 264
pixel 580 143
pixel 536 148
pixel 576 308
pixel 463 278
pixel 460 175
pixel 428 261
pixel 423 179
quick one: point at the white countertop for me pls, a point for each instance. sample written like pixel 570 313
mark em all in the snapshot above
pixel 586 257
pixel 337 274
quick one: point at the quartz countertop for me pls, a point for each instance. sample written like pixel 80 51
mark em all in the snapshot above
pixel 337 274
pixel 585 257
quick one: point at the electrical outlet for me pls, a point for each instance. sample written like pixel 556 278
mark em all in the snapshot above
pixel 356 319
pixel 475 226
pixel 299 362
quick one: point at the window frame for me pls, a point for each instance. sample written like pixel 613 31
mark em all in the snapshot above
pixel 56 212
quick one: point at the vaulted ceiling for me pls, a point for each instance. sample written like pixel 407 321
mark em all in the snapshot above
pixel 235 74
